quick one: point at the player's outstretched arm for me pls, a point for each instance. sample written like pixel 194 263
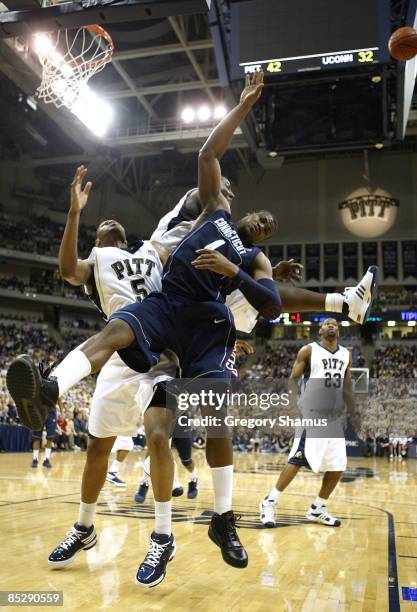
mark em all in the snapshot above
pixel 209 173
pixel 72 269
pixel 257 287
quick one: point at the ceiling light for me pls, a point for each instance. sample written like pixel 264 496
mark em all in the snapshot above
pixel 188 115
pixel 379 145
pixel 391 323
pixel 93 112
pixel 43 44
pixel 220 112
pixel 377 78
pixel 411 323
pixel 345 323
pixel 306 322
pixel 204 113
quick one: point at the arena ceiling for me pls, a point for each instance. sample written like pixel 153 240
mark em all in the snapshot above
pixel 159 67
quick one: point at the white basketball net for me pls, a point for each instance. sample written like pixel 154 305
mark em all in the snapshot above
pixel 69 59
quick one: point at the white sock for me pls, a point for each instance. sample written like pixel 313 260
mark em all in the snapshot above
pixel 48 452
pixel 192 475
pixel 36 454
pixel 319 502
pixel 273 495
pixel 86 514
pixel 71 370
pixel 223 488
pixel 334 302
pixel 115 466
pixel 163 511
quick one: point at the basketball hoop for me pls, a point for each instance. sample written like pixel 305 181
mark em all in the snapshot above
pixel 69 58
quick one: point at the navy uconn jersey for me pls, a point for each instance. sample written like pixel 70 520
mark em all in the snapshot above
pixel 216 233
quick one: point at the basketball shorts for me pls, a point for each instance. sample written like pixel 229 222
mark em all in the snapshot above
pixel 122 395
pixel 50 426
pixel 202 335
pixel 122 443
pixel 319 454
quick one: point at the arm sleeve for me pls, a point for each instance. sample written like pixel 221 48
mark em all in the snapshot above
pixel 262 295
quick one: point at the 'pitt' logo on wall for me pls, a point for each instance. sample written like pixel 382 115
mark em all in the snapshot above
pixel 368 214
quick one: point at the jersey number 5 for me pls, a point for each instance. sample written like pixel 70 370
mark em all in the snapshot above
pixel 138 289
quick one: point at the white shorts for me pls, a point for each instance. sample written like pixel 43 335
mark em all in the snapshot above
pixel 122 395
pixel 322 454
pixel 122 443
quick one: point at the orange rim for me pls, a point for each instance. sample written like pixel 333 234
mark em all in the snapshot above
pixel 96 29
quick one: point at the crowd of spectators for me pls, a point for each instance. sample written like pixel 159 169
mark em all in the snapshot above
pixel 391 445
pixel 77 325
pixel 27 317
pixel 261 442
pixel 73 409
pixel 396 296
pixel 40 235
pixel 45 282
pixel 387 410
pixel 395 361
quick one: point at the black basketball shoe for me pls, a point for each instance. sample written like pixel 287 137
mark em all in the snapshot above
pixel 153 568
pixel 141 493
pixel 79 538
pixel 34 392
pixel 222 531
pixel 192 488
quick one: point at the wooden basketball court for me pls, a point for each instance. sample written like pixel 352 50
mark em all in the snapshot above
pixel 361 566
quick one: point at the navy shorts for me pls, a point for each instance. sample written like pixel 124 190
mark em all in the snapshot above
pixel 201 334
pixel 50 426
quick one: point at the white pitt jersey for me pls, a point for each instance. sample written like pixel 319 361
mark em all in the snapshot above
pixel 326 364
pixel 123 275
pixel 322 388
pixel 170 238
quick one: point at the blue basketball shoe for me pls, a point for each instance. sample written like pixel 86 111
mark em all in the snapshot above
pixel 153 568
pixel 141 493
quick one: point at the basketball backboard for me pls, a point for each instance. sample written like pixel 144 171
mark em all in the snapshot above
pixel 360 380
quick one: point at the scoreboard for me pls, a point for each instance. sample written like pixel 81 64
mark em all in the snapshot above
pixel 289 36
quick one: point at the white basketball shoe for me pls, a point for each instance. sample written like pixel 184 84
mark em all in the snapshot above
pixel 267 512
pixel 319 514
pixel 358 300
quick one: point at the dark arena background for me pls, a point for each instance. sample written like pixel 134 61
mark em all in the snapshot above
pixel 330 148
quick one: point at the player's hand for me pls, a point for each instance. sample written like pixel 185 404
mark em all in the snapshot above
pixel 243 348
pixel 253 88
pixel 215 262
pixel 79 196
pixel 287 271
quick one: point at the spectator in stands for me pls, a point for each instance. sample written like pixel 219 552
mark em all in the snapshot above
pixel 382 444
pixel 81 430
